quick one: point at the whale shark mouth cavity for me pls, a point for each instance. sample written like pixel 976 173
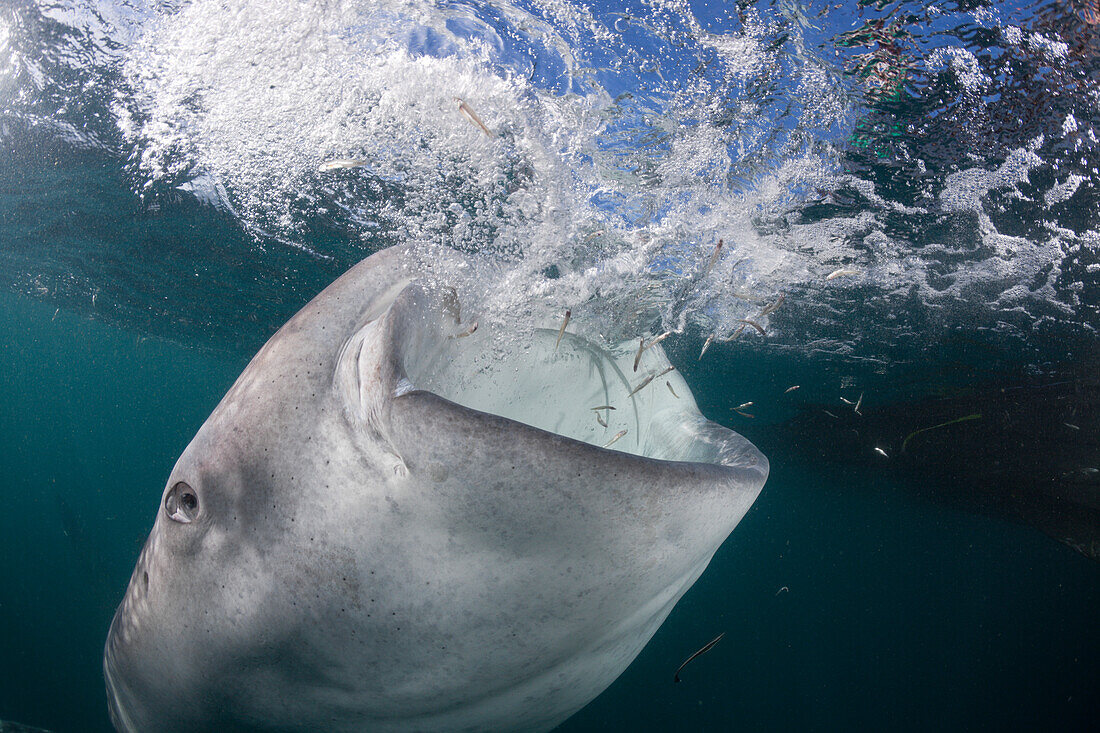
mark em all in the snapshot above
pixel 562 383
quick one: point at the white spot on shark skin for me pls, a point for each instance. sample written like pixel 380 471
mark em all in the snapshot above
pixel 462 555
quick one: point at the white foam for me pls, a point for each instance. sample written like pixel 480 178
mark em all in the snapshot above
pixel 613 163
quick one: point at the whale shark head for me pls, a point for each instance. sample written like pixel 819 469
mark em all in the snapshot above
pixel 396 522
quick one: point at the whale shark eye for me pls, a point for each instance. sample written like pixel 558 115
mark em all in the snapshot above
pixel 181 503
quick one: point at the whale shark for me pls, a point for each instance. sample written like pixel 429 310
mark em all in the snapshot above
pixel 394 521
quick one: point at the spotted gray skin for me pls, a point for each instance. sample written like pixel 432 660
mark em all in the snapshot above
pixel 336 552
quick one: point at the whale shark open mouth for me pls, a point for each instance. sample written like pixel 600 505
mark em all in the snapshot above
pixel 627 398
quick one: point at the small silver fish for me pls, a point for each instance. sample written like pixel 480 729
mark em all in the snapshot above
pixel 846 401
pixel 706 345
pixel 467 332
pixel 603 407
pixel 468 112
pixel 659 339
pixel 638 356
pixel 742 413
pixel 734 335
pixel 670 389
pixel 649 379
pixel 859 402
pixel 768 310
pixel 792 388
pixel 653 343
pixel 338 163
pixel 611 442
pixel 561 331
pixel 754 324
pixel 743 405
pixel 1069 425
pixel 706 647
pixel 842 272
pixel 713 257
pixel 600 420
pixel 881 452
pixel 643 383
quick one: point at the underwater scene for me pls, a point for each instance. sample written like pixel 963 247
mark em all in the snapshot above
pixel 647 365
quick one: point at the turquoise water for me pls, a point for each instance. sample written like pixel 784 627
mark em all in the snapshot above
pixel 160 218
pixel 92 418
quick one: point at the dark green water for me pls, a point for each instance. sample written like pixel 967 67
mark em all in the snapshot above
pixel 898 613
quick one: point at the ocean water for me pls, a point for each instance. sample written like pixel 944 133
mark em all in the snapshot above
pixel 162 213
